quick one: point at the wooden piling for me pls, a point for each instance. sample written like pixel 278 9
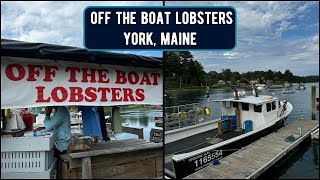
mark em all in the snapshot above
pixel 313 102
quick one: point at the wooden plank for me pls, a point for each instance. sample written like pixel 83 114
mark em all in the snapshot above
pixel 118 158
pixel 159 166
pixel 133 130
pixel 117 149
pixel 86 168
pixel 133 170
pixel 65 172
pixel 255 158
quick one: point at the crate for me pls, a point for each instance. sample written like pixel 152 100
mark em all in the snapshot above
pixel 38 143
pixel 48 174
pixel 27 154
pixel 26 161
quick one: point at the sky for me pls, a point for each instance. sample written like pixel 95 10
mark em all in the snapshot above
pixel 57 23
pixel 271 35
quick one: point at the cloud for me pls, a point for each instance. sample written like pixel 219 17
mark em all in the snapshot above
pixel 53 22
pixel 232 54
pixel 271 35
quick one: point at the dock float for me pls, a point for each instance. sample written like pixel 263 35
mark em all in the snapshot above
pixel 253 160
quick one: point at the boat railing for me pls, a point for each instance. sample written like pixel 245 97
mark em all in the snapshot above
pixel 185 115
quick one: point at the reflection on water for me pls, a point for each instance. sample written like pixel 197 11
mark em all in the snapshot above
pixel 141 119
pixel 315 150
pixel 307 166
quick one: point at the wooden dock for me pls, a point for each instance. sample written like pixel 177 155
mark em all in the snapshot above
pixel 251 161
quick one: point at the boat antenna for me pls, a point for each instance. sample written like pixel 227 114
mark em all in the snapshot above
pixel 252 84
pixel 231 84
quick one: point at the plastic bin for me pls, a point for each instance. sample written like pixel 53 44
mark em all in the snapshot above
pixel 27 154
pixel 233 120
pixel 247 126
pixel 47 174
pixel 225 125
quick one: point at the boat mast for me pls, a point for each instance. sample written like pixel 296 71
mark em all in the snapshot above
pixel 255 89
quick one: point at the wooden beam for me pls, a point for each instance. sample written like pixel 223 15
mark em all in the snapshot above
pixel 86 168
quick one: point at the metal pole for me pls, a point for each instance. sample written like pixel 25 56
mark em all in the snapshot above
pixel 313 102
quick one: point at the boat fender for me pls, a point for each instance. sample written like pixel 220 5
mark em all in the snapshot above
pixel 207 111
pixel 7 113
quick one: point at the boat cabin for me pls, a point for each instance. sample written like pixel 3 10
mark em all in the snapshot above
pixel 259 110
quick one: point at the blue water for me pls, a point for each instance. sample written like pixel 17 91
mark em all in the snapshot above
pixel 306 165
pixel 140 119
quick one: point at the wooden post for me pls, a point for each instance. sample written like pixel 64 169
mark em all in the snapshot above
pixel 220 129
pixel 313 102
pixel 86 168
pixel 230 124
pixel 237 111
pixel 116 122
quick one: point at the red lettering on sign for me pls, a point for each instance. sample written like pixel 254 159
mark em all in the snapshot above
pixel 33 72
pixel 73 73
pixel 54 94
pixel 40 94
pixel 155 78
pixel 76 94
pixel 115 94
pixel 10 75
pixel 91 96
pixel 146 79
pixel 85 75
pixel 102 75
pixel 121 77
pixel 130 78
pixel 140 94
pixel 127 93
pixel 48 73
pixel 103 94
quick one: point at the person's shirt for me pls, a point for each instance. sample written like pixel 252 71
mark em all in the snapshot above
pixel 61 126
pixel 90 121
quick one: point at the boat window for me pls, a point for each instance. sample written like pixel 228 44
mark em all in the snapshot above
pixel 268 107
pixel 228 104
pixel 235 104
pixel 257 108
pixel 245 106
pixel 273 104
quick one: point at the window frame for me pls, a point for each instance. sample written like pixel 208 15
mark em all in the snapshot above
pixel 245 109
pixel 255 108
pixel 273 105
pixel 268 109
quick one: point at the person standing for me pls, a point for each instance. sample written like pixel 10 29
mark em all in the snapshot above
pixel 61 126
pixel 90 121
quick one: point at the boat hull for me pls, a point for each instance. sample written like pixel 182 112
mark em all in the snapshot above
pixel 192 164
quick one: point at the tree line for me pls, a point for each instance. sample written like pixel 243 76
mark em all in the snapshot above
pixel 182 70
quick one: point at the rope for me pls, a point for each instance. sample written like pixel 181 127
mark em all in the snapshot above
pixel 290 139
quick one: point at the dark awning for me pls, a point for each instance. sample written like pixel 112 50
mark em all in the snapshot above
pixel 66 53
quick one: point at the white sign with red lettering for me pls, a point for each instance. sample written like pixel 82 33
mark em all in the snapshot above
pixel 37 82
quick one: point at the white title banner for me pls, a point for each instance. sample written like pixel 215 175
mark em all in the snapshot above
pixel 37 82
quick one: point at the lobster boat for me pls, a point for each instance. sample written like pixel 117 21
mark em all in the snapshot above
pixel 244 119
